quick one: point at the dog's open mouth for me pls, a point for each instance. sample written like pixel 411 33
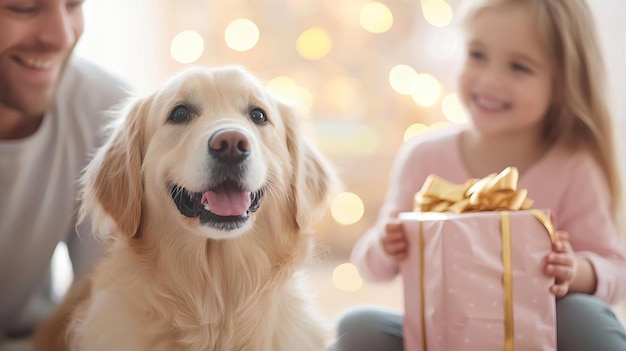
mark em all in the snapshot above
pixel 224 207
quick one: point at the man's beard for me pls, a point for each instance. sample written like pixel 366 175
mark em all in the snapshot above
pixel 21 104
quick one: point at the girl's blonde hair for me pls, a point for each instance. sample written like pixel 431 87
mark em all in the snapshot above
pixel 579 114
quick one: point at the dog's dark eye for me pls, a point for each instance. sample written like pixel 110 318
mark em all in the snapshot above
pixel 258 116
pixel 179 114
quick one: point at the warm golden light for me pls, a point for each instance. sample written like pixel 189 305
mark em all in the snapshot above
pixel 346 277
pixel 314 44
pixel 281 83
pixel 402 79
pixel 363 141
pixel 427 90
pixel 300 98
pixel 443 44
pixel 287 89
pixel 347 137
pixel 440 125
pixel 241 35
pixel 187 46
pixel 376 17
pixel 453 109
pixel 437 12
pixel 347 208
pixel 343 93
pixel 415 130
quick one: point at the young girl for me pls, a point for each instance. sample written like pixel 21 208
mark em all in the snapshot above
pixel 533 86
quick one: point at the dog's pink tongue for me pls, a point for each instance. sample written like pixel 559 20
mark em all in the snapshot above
pixel 227 202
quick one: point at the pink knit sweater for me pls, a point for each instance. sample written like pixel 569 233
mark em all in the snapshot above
pixel 568 183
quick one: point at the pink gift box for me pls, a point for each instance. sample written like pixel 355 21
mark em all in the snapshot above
pixel 482 289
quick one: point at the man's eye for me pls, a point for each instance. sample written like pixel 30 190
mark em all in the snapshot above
pixel 477 55
pixel 74 5
pixel 23 9
pixel 520 68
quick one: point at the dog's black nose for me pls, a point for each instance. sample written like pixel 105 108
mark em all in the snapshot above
pixel 229 145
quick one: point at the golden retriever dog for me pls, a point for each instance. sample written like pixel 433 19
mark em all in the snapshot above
pixel 209 191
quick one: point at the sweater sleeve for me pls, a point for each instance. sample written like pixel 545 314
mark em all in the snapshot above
pixel 585 214
pixel 92 93
pixel 404 181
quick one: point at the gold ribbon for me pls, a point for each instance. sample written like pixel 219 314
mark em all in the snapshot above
pixel 507 268
pixel 507 282
pixel 422 290
pixel 496 192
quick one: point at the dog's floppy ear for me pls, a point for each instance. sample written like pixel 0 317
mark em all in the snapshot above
pixel 112 182
pixel 315 181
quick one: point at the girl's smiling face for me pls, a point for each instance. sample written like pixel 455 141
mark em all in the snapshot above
pixel 507 81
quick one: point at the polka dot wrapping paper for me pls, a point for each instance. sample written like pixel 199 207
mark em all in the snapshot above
pixel 475 281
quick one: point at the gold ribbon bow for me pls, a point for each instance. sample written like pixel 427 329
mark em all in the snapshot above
pixel 495 192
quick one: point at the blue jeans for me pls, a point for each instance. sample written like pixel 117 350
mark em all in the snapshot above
pixel 584 323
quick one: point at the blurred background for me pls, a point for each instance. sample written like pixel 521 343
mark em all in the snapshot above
pixel 367 75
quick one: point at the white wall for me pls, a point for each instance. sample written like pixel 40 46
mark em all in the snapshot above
pixel 122 35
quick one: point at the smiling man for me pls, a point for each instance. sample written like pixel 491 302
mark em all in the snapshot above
pixel 51 111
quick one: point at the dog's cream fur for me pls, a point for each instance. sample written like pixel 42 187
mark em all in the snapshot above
pixel 169 282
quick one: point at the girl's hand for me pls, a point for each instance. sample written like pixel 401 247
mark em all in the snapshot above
pixel 561 264
pixel 394 241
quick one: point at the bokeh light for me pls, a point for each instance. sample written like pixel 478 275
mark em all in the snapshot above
pixel 61 271
pixel 452 109
pixel 437 12
pixel 402 79
pixel 187 46
pixel 343 93
pixel 346 277
pixel 346 137
pixel 280 84
pixel 427 90
pixel 241 34
pixel 287 89
pixel 314 43
pixel 415 130
pixel 443 44
pixel 364 140
pixel 300 98
pixel 347 208
pixel 440 125
pixel 376 17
